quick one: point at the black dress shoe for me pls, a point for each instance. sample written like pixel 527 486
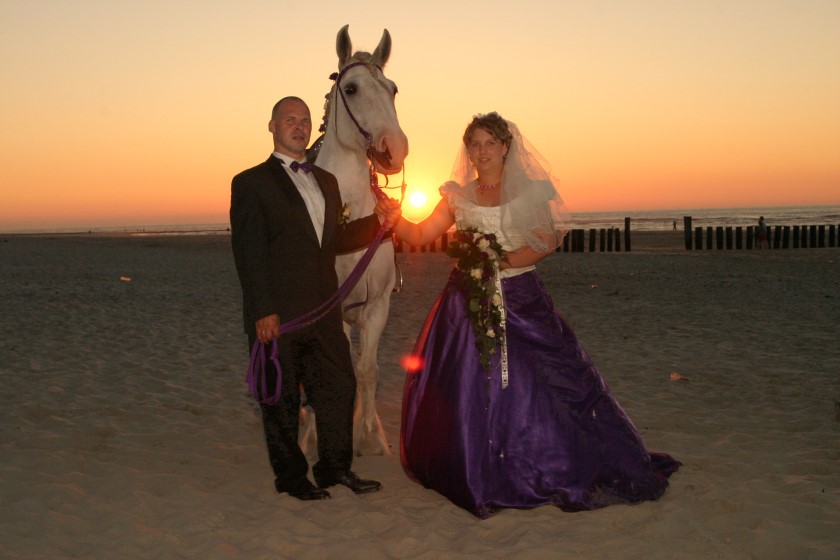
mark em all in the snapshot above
pixel 307 491
pixel 352 481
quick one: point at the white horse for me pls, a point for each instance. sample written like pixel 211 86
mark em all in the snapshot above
pixel 362 134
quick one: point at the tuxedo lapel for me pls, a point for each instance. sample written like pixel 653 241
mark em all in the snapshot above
pixel 331 201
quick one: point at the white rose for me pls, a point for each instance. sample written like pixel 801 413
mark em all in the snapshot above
pixel 497 299
pixel 483 244
pixel 491 333
pixel 476 273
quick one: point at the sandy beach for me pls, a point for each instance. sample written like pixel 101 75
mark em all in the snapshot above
pixel 127 430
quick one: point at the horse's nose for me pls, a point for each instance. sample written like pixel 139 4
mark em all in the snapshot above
pixel 394 146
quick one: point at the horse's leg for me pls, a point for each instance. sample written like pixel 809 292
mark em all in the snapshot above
pixel 307 434
pixel 368 434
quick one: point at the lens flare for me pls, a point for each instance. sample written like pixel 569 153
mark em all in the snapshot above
pixel 411 363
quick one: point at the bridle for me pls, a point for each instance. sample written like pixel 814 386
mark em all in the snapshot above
pixel 375 187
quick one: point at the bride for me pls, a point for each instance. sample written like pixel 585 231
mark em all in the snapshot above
pixel 502 407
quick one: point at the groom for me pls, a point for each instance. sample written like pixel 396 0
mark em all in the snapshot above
pixel 285 233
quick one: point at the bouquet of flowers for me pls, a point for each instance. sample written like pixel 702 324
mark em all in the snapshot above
pixel 478 255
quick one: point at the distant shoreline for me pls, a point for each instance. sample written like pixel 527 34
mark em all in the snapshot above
pixel 641 241
pixel 119 233
pixel 640 220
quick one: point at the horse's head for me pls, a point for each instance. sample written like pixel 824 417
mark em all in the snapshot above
pixel 361 109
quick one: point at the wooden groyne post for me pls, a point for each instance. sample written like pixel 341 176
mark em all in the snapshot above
pixel 573 242
pixel 778 237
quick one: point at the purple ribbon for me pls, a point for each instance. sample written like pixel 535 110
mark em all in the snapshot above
pixel 257 370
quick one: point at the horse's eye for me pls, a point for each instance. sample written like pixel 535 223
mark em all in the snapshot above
pixel 350 89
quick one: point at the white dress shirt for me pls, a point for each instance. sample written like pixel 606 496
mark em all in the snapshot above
pixel 308 188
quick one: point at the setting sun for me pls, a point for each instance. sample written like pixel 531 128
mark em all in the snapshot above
pixel 419 203
pixel 417 199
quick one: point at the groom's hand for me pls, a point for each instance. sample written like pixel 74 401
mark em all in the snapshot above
pixel 268 328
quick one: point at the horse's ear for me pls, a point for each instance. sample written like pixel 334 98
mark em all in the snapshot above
pixel 343 47
pixel 383 50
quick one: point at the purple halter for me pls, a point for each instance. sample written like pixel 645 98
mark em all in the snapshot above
pixel 336 76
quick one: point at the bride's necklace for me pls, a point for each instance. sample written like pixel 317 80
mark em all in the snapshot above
pixel 485 188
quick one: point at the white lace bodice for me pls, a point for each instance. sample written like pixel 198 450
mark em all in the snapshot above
pixel 488 219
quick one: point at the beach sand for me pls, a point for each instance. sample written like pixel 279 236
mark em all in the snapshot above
pixel 127 430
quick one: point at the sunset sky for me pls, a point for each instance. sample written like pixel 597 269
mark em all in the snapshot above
pixel 116 113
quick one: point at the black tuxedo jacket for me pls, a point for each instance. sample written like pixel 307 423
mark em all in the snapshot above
pixel 282 269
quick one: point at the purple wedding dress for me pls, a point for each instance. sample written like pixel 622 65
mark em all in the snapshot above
pixel 555 435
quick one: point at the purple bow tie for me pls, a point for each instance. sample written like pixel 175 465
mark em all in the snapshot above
pixel 306 167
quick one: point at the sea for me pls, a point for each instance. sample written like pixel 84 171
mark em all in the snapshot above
pixel 665 220
pixel 640 220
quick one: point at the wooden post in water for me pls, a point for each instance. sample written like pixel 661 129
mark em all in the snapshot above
pixel 602 233
pixel 609 235
pixel 617 239
pixel 750 232
pixel 739 237
pixel 832 240
pixel 698 238
pixel 729 237
pixel 709 237
pixel 687 228
pixel 786 237
pixel 719 236
pixel 592 238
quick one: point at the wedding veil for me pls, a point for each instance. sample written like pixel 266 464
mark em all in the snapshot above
pixel 530 203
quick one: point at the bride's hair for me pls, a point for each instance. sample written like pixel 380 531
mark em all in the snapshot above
pixel 494 124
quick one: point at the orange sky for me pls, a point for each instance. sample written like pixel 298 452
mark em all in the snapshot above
pixel 117 114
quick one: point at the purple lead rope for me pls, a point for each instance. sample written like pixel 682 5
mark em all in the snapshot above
pixel 256 377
